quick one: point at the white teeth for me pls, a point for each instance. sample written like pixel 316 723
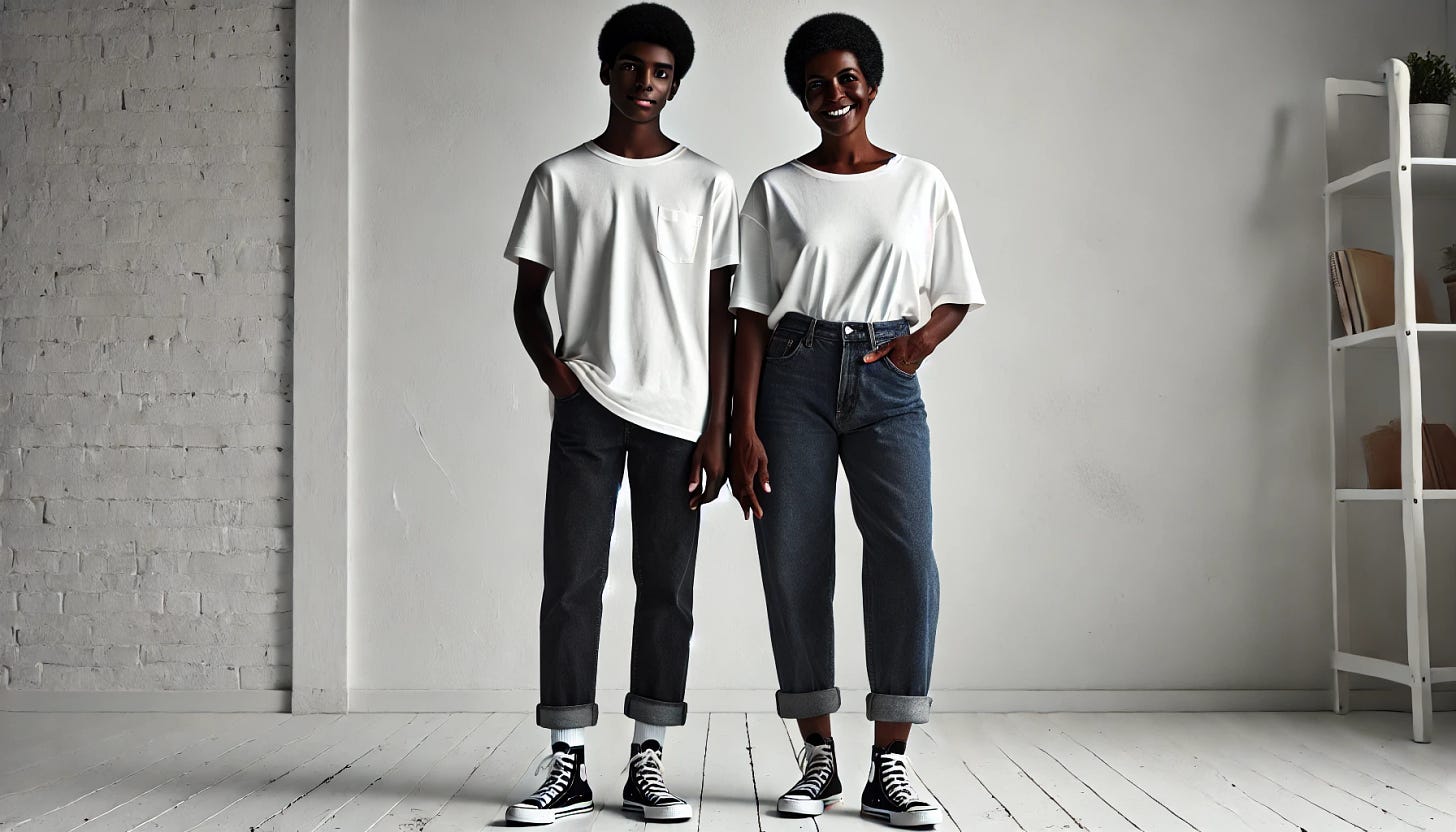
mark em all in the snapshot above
pixel 839 112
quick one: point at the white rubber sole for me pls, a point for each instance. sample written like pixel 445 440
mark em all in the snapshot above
pixel 801 808
pixel 675 812
pixel 925 817
pixel 527 816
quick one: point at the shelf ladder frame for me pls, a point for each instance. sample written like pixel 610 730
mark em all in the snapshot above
pixel 1416 673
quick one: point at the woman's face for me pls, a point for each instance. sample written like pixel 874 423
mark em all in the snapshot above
pixel 836 94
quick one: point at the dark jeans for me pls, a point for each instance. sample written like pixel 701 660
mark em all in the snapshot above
pixel 590 446
pixel 819 404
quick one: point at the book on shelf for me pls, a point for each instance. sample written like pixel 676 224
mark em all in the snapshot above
pixel 1438 456
pixel 1364 285
pixel 1337 283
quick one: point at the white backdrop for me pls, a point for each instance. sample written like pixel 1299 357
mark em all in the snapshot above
pixel 1129 440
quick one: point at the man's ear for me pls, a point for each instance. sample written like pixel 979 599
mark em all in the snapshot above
pixel 606 73
pixel 672 90
pixel 804 102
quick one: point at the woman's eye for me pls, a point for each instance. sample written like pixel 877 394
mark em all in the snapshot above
pixel 662 73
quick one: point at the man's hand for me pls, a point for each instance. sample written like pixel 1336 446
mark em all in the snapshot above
pixel 710 467
pixel 561 380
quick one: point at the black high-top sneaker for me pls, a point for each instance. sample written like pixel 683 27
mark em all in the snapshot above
pixel 889 796
pixel 646 793
pixel 565 792
pixel 819 788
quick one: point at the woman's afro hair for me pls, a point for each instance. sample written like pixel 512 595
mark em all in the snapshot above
pixel 649 23
pixel 828 33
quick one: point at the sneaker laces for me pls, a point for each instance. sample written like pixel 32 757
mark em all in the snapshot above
pixel 894 782
pixel 817 764
pixel 647 768
pixel 562 764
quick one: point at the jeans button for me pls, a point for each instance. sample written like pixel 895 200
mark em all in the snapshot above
pixel 848 330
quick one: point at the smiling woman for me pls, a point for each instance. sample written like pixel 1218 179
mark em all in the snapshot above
pixel 834 67
pixel 838 246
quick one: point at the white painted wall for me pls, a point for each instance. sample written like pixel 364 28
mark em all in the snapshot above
pixel 1130 439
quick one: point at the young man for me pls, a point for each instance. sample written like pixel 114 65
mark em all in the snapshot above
pixel 641 234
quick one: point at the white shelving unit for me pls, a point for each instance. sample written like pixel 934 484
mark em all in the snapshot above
pixel 1402 178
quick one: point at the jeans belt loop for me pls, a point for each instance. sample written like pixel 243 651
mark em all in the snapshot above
pixel 809 333
pixel 874 336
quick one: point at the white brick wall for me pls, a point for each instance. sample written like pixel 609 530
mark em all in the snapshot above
pixel 145 344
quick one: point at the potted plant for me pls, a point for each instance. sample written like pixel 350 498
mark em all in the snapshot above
pixel 1432 82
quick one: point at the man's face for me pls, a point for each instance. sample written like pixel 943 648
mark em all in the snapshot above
pixel 641 80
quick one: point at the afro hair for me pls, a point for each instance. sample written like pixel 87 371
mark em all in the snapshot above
pixel 648 23
pixel 828 33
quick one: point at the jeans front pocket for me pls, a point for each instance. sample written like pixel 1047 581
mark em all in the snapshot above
pixel 782 345
pixel 888 363
pixel 677 234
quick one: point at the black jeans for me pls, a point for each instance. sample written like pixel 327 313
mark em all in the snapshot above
pixel 590 446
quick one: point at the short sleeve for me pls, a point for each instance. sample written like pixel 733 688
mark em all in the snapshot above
pixel 753 285
pixel 534 235
pixel 723 224
pixel 952 277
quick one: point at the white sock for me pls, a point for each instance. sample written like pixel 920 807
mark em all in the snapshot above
pixel 644 732
pixel 573 737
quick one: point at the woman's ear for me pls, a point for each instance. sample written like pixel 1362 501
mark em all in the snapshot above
pixel 672 90
pixel 606 73
pixel 874 91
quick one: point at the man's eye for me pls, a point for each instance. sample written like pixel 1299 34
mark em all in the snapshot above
pixel 661 73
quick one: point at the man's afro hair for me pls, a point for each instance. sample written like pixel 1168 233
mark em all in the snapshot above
pixel 649 23
pixel 828 33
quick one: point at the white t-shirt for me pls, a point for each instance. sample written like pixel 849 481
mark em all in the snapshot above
pixel 631 242
pixel 853 247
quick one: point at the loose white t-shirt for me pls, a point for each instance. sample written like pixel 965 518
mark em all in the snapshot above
pixel 853 247
pixel 631 242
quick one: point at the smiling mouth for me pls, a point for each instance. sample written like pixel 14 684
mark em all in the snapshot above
pixel 644 102
pixel 840 113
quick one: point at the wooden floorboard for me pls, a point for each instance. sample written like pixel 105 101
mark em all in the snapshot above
pixel 1278 772
pixel 445 779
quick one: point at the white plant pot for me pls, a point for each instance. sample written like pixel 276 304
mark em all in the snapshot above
pixel 1428 128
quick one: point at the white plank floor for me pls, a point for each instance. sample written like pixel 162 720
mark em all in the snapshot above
pixel 457 772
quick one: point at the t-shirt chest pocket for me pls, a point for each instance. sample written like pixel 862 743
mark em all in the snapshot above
pixel 677 234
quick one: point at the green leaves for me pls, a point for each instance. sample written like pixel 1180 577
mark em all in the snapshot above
pixel 1450 264
pixel 1432 80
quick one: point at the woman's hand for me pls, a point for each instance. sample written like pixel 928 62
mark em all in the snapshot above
pixel 748 471
pixel 710 467
pixel 906 352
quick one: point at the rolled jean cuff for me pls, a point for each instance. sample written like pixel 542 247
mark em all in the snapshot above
pixel 806 705
pixel 566 716
pixel 655 712
pixel 885 707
